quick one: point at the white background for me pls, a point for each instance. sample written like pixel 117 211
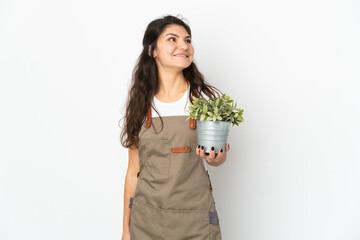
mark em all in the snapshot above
pixel 293 169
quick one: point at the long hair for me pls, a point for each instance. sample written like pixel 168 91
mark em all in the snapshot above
pixel 145 82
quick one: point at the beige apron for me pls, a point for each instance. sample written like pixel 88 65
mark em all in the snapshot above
pixel 173 197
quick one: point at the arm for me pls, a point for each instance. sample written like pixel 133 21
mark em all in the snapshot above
pixel 129 190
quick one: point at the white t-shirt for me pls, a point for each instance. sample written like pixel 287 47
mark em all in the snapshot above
pixel 177 108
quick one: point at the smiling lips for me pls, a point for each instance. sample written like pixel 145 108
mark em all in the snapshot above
pixel 181 55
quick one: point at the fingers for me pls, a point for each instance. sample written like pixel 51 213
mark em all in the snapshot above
pixel 213 158
pixel 220 155
pixel 198 150
pixel 202 152
pixel 227 147
pixel 212 154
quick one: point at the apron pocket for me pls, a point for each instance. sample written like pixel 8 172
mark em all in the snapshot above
pixel 187 225
pixel 158 156
pixel 146 223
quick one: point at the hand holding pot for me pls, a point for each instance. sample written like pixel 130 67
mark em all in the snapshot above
pixel 213 159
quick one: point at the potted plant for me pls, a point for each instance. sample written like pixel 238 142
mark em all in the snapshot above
pixel 213 120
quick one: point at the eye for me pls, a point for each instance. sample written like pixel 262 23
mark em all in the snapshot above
pixel 172 38
pixel 188 40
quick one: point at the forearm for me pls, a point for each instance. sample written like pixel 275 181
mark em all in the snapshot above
pixel 129 191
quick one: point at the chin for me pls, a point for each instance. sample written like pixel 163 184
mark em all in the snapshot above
pixel 183 66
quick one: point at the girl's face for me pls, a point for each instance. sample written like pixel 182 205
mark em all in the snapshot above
pixel 174 48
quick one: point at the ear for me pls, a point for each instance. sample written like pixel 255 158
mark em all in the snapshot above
pixel 149 52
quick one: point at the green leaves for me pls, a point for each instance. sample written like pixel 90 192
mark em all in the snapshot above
pixel 219 109
pixel 217 102
pixel 205 108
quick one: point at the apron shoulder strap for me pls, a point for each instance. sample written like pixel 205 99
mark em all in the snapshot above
pixel 148 117
pixel 192 122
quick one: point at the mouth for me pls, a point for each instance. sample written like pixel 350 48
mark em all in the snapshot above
pixel 182 55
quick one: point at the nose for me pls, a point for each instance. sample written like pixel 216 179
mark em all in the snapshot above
pixel 183 45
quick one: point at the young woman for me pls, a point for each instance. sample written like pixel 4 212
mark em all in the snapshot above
pixel 168 193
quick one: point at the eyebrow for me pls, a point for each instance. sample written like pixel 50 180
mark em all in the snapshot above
pixel 176 35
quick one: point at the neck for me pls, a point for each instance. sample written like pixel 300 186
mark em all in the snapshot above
pixel 171 83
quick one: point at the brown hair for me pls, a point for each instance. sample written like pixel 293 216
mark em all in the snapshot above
pixel 145 82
